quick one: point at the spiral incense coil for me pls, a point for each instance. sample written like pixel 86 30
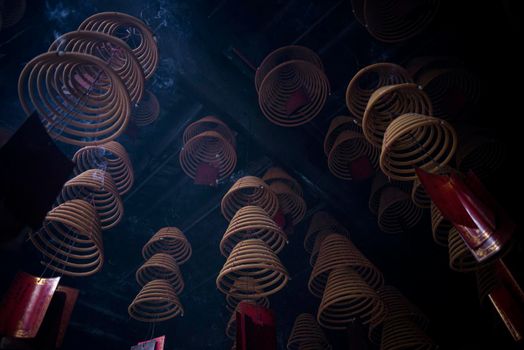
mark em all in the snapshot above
pixel 244 284
pixel 161 266
pixel 322 222
pixel 349 146
pixel 451 91
pixel 208 147
pixel 231 328
pixel 338 251
pixel 249 190
pixel 156 302
pixel 146 111
pixel 209 123
pixel 11 12
pixel 368 80
pixel 282 55
pixel 397 212
pixel 96 186
pixel 306 334
pixel 293 80
pixel 416 141
pixel 439 226
pixel 252 258
pixel 289 202
pixel 169 240
pixel 460 257
pixel 394 21
pixel 346 297
pixel 111 157
pixel 401 333
pixel 316 247
pixel 79 98
pixel 338 125
pixel 127 28
pixel 398 306
pixel 480 153
pixel 113 51
pixel 388 103
pixel 71 239
pixel 278 174
pixel 380 182
pixel 252 222
pixel 487 280
pixel 419 196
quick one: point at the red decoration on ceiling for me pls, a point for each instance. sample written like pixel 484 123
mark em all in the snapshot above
pixel 255 327
pixel 480 220
pixel 25 305
pixel 153 344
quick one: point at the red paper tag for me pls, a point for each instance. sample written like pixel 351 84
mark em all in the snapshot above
pixel 297 100
pixel 25 304
pixel 206 174
pixel 158 344
pixel 361 168
pixel 255 327
pixel 71 295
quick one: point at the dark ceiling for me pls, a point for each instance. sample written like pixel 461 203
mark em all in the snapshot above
pixel 208 49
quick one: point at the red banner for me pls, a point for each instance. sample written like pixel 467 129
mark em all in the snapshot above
pixel 153 344
pixel 25 305
pixel 255 327
pixel 482 223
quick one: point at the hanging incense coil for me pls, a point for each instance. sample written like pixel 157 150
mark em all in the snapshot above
pixel 291 86
pixel 460 257
pixel 401 333
pixel 96 186
pixel 127 27
pixel 380 182
pixel 111 157
pixel 252 258
pixel 389 102
pixel 416 141
pixel 84 103
pixel 290 203
pixel 338 251
pixel 368 80
pixel 306 334
pixel 11 12
pixel 209 148
pixel 336 127
pixel 452 91
pixel 161 266
pixel 209 123
pixel 147 110
pixel 487 280
pixel 169 240
pixel 113 51
pixel 71 239
pixel 278 174
pixel 242 285
pixel 322 222
pixel 348 147
pixel 398 306
pixel 394 21
pixel 316 247
pixel 252 222
pixel 479 152
pixel 249 190
pixel 439 226
pixel 283 55
pixel 397 212
pixel 346 297
pixel 156 302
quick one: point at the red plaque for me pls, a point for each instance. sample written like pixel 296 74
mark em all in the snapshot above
pixel 255 328
pixel 25 304
pixel 153 344
pixel 206 174
pixel 480 220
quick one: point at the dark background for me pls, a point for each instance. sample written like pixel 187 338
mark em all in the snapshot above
pixel 200 73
